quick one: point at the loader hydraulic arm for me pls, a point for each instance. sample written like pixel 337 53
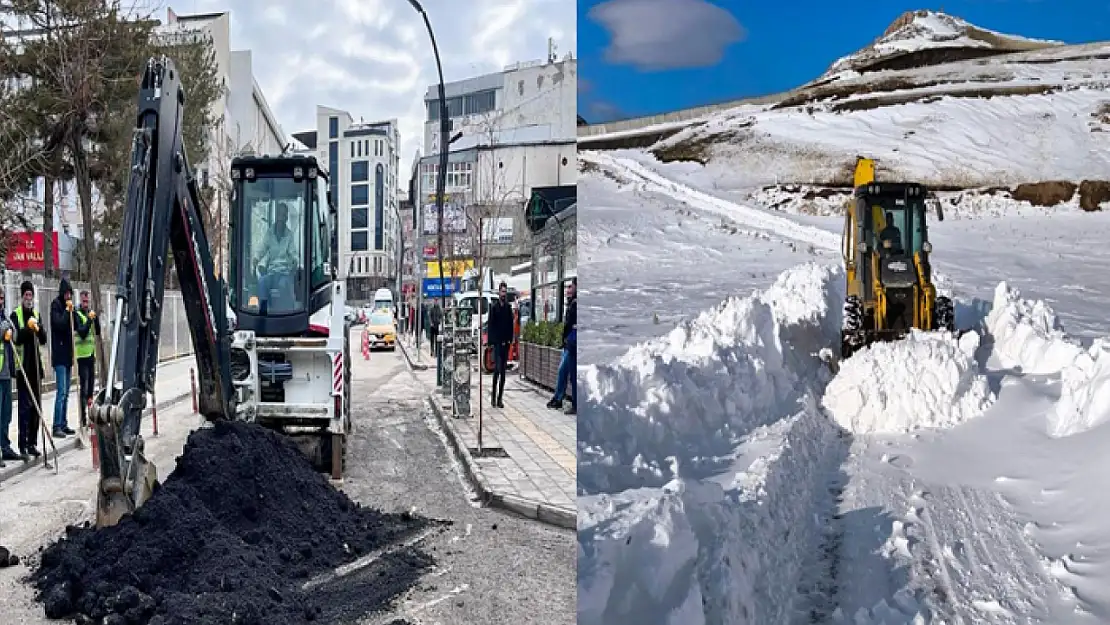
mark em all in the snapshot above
pixel 162 215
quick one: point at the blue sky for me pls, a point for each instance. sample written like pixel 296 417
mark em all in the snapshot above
pixel 671 54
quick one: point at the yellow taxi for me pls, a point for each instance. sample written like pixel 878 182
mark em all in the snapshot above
pixel 382 329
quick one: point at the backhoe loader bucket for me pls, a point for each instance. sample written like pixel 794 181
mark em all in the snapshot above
pixel 115 496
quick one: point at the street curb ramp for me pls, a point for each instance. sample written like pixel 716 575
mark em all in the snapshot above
pixel 70 443
pixel 536 510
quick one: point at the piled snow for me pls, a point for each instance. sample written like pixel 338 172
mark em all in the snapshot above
pixel 696 552
pixel 689 396
pixel 701 446
pixel 1027 334
pixel 1085 392
pixel 928 380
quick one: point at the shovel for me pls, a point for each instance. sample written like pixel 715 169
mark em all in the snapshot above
pixel 46 436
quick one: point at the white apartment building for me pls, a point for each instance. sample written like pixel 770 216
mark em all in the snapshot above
pixel 513 130
pixel 362 160
pixel 244 121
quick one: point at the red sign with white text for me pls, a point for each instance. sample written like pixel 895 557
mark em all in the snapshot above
pixel 26 251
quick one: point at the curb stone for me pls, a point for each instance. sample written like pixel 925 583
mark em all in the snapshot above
pixel 408 359
pixel 536 510
pixel 16 467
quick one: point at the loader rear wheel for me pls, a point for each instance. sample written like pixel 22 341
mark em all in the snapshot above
pixel 944 317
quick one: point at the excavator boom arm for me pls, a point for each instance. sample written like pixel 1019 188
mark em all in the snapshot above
pixel 162 215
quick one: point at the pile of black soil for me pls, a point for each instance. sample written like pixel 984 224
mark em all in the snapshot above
pixel 231 537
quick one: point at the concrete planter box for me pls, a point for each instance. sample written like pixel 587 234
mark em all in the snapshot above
pixel 540 364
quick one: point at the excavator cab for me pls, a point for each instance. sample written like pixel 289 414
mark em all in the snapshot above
pixel 886 253
pixel 280 255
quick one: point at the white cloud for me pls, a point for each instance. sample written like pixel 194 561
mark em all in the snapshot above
pixel 655 35
pixel 373 57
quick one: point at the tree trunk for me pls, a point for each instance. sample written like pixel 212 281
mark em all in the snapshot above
pixel 84 194
pixel 48 228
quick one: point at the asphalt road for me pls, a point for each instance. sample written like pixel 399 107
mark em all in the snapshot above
pixel 492 567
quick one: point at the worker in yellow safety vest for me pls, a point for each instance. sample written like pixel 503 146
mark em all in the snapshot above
pixel 87 328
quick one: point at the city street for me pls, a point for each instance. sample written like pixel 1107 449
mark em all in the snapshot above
pixel 491 566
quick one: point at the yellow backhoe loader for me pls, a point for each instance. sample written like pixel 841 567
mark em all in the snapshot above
pixel 886 252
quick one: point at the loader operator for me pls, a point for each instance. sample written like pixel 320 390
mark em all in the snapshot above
pixel 890 237
pixel 276 263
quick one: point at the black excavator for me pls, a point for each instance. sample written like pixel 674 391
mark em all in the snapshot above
pixel 245 372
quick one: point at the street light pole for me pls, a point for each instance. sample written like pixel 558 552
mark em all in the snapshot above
pixel 444 136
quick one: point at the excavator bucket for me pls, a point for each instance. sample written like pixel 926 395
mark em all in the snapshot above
pixel 115 496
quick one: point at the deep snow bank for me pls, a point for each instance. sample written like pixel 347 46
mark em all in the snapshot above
pixel 1084 393
pixel 697 450
pixel 1027 334
pixel 689 396
pixel 927 380
pixel 730 550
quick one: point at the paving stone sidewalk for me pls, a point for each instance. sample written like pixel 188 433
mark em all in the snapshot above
pixel 537 473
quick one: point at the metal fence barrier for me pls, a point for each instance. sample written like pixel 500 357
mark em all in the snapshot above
pixel 175 339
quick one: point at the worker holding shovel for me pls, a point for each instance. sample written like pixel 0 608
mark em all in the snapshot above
pixel 29 339
pixel 86 327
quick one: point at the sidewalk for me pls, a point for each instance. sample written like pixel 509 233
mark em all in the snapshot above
pixel 528 464
pixel 171 387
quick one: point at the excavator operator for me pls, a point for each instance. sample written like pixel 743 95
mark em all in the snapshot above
pixel 890 237
pixel 276 264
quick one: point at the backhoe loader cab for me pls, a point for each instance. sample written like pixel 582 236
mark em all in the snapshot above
pixel 886 251
pixel 290 349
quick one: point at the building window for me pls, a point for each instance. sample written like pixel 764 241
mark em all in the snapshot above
pixel 359 218
pixel 366 146
pixel 360 194
pixel 360 171
pixel 481 102
pixel 333 127
pixel 352 149
pixel 459 175
pixel 428 177
pixel 379 206
pixel 358 241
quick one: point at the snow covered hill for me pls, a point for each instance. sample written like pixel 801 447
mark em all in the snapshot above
pixel 973 113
